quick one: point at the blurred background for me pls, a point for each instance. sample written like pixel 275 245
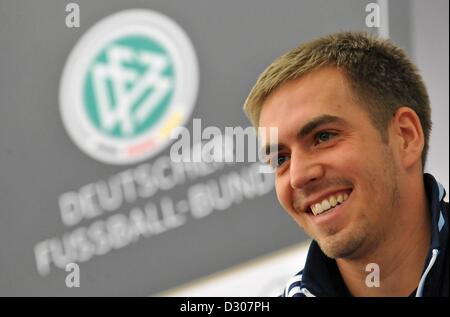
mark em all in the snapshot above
pixel 147 226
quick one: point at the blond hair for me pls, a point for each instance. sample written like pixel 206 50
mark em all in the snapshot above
pixel 379 73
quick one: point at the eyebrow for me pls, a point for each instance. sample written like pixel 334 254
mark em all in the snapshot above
pixel 317 122
pixel 272 148
pixel 305 130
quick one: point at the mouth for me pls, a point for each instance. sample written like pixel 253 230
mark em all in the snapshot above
pixel 328 203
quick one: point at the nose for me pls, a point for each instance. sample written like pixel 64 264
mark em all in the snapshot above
pixel 304 169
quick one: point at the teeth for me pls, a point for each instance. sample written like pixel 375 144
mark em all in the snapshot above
pixel 333 201
pixel 318 208
pixel 325 205
pixel 328 203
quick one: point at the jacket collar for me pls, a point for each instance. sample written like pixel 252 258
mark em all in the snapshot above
pixel 321 276
pixel 436 270
pixel 436 193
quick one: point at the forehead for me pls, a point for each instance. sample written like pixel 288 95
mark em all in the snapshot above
pixel 324 91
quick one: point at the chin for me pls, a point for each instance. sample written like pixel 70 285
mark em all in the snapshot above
pixel 343 244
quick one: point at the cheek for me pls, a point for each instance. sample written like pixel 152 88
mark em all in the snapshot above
pixel 284 192
pixel 347 159
pixel 369 168
pixel 362 162
pixel 285 197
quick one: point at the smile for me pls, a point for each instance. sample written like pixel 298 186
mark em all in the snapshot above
pixel 329 202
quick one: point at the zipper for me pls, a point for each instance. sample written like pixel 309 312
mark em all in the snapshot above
pixel 434 255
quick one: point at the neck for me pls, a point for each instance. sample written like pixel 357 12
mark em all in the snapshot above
pixel 399 256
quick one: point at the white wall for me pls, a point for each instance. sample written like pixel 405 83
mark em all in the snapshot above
pixel 430 41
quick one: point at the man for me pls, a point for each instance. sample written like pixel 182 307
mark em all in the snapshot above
pixel 353 120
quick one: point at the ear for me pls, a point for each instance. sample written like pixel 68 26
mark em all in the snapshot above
pixel 409 136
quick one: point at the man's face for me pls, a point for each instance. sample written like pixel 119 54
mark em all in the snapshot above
pixel 330 154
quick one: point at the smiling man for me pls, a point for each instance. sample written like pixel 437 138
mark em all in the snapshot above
pixel 353 120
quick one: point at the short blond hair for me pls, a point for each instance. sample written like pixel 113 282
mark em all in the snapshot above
pixel 379 73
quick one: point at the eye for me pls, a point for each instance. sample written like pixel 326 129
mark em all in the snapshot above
pixel 276 161
pixel 281 159
pixel 324 136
